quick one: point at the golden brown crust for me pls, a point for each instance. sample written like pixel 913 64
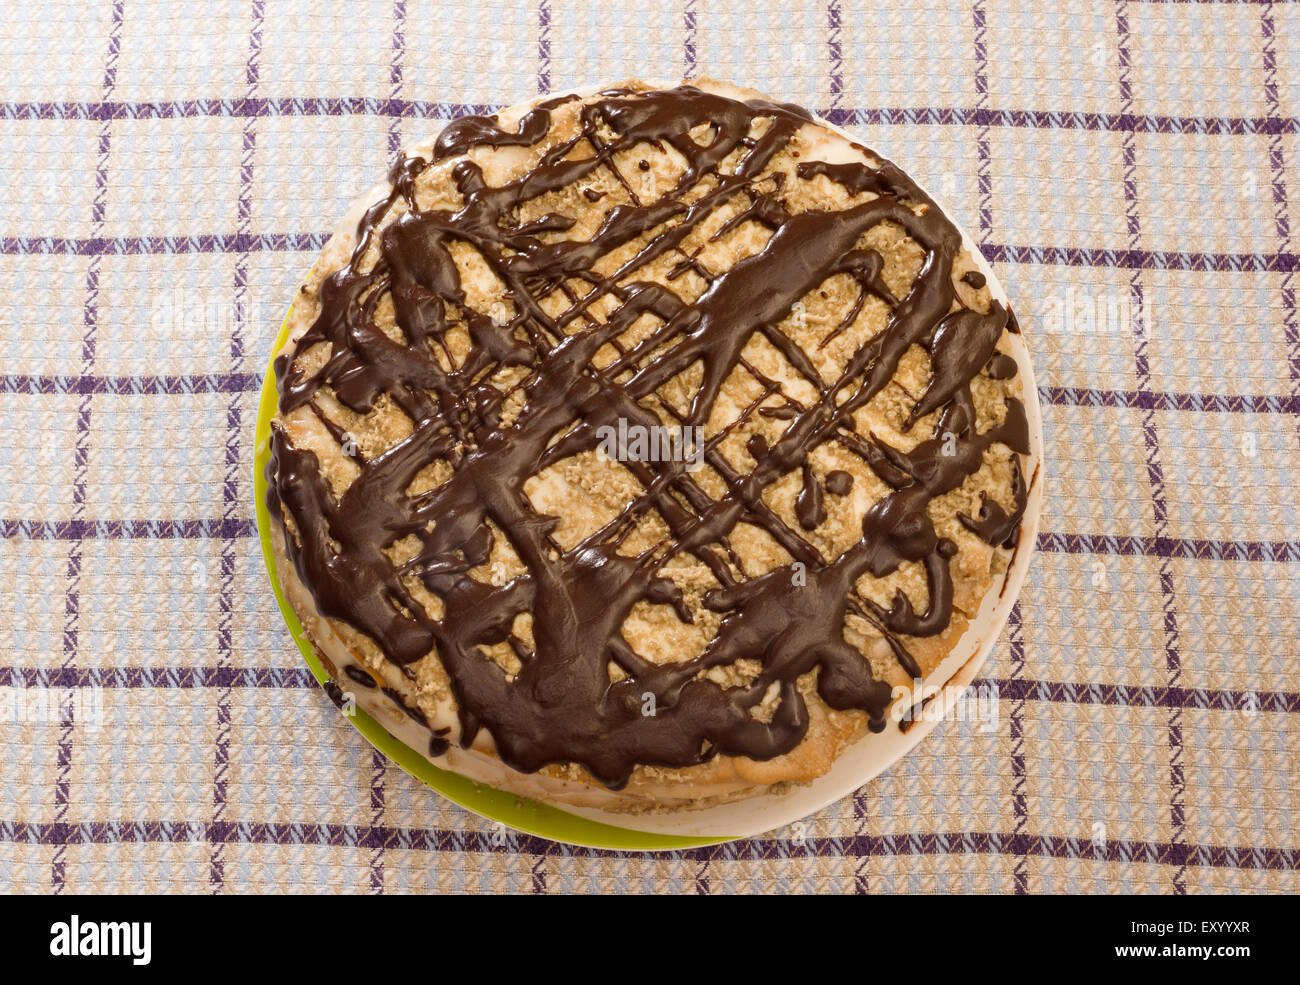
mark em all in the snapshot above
pixel 587 490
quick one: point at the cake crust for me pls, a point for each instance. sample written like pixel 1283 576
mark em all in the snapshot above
pixel 630 631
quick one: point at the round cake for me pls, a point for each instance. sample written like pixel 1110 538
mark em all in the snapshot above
pixel 642 448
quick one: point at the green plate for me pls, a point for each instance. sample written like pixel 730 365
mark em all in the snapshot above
pixel 530 816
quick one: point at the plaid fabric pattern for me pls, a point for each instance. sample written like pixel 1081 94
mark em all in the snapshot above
pixel 1129 166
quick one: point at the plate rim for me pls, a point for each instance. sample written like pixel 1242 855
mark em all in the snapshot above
pixel 536 818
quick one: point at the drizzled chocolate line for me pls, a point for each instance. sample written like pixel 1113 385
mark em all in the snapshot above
pixel 561 705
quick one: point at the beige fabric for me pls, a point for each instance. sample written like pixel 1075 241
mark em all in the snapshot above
pixel 1130 168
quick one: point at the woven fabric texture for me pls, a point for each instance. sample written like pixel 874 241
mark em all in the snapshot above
pixel 1130 168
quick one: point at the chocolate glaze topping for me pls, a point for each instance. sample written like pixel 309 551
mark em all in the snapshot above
pixel 561 706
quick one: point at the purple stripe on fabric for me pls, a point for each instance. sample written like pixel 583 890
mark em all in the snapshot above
pixel 1173 548
pixel 396 73
pixel 1140 259
pixel 984 187
pixel 1155 470
pixel 378 762
pixel 689 58
pixel 225 107
pixel 233 527
pixel 539 868
pixel 543 46
pixel 1212 3
pixel 861 806
pixel 197 383
pixel 1016 728
pixel 1138 696
pixel 1192 549
pixel 378 769
pixel 1281 221
pixel 93 246
pixel 80 472
pixel 234 461
pixel 178 678
pixel 1133 259
pixel 322 835
pixel 1018 689
pixel 1211 403
pixel 690 64
pixel 132 385
pixel 835 53
pixel 397 108
pixel 984 160
pixel 1030 119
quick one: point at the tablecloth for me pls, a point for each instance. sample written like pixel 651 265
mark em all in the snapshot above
pixel 1129 167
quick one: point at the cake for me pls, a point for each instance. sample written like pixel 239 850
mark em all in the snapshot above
pixel 635 447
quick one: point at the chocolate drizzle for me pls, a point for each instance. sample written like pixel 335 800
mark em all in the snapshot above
pixel 562 705
pixel 359 676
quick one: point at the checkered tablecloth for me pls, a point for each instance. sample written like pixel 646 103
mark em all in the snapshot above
pixel 1130 168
